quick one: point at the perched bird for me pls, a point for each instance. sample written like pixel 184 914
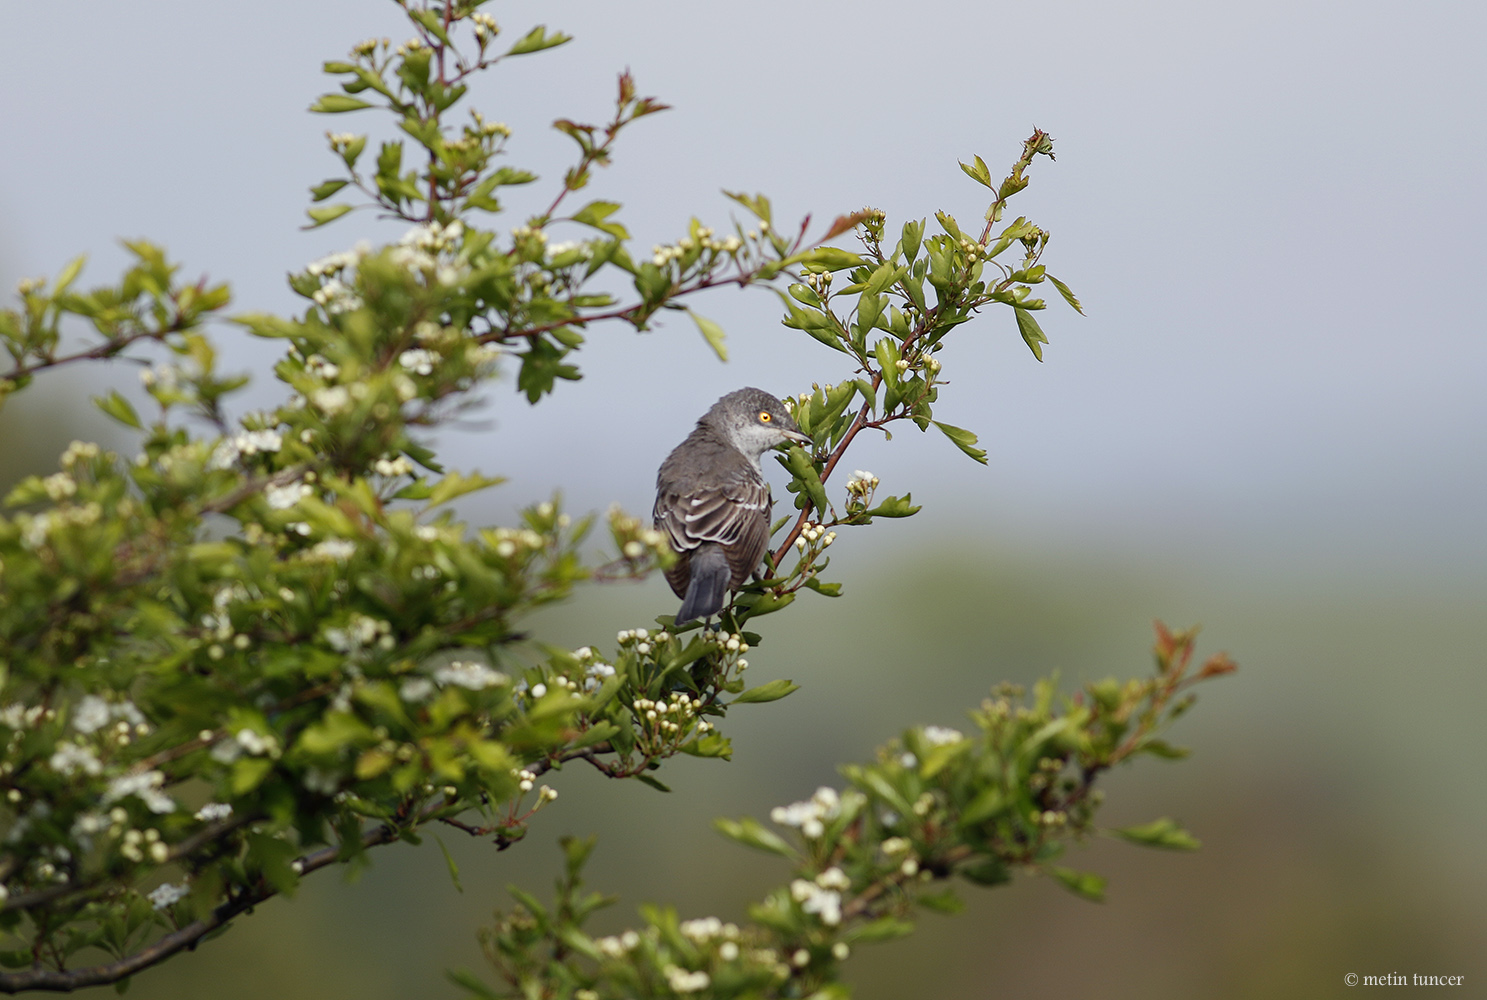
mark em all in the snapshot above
pixel 712 501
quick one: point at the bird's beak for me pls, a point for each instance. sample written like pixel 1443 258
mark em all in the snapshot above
pixel 798 438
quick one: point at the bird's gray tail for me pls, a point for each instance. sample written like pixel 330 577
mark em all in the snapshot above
pixel 708 586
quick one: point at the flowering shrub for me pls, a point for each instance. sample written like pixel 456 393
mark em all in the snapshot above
pixel 264 644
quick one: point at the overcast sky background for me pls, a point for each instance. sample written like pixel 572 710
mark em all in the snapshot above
pixel 1272 211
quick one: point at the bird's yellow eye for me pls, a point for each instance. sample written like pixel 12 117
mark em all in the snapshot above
pixel 764 417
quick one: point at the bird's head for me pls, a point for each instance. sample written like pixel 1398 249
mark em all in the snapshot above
pixel 753 421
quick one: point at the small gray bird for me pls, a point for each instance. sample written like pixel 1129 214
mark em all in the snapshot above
pixel 713 503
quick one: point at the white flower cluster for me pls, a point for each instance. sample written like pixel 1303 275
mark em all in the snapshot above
pixel 938 736
pixel 336 263
pixel 286 496
pixel 469 674
pixel 168 895
pixel 648 538
pixel 485 25
pixel 811 533
pixel 321 368
pixel 419 361
pixel 333 550
pixel 664 254
pixel 810 816
pixel 137 843
pixel 861 484
pixel 229 449
pixel 166 376
pixel 509 541
pixel 673 716
pixel 331 400
pixel 248 741
pixel 705 929
pixel 683 981
pixel 76 451
pixel 93 713
pixel 18 716
pixel 35 529
pixel 595 670
pixel 819 282
pixel 422 247
pixel 213 812
pixel 359 633
pixel 619 945
pixel 143 785
pixel 822 897
pixel 59 486
pixel 336 297
pixel 70 758
pixel 643 639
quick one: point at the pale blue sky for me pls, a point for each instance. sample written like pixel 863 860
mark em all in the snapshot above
pixel 1271 210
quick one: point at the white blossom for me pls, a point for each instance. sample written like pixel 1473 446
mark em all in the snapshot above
pixel 286 496
pixel 938 736
pixel 808 816
pixel 90 714
pixel 360 631
pixel 331 400
pixel 214 811
pixel 70 758
pixel 826 903
pixel 168 895
pixel 333 550
pixel 144 785
pixel 468 674
pixel 416 689
pixel 419 361
pixel 682 981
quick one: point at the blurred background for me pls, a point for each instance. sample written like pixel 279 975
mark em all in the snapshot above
pixel 1272 422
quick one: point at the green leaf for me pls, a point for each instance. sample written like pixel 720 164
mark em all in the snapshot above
pixel 457 485
pixel 805 294
pixel 964 440
pixel 454 869
pixel 1163 749
pixel 751 833
pixel 757 204
pixel 1084 884
pixel 773 691
pixel 536 40
pixel 646 779
pixel 897 507
pixel 985 871
pixel 320 192
pixel 765 604
pixel 945 901
pixel 1069 297
pixel 468 980
pixel 332 104
pixel 825 589
pixel 882 929
pixel 980 173
pixel 330 213
pixel 596 214
pixel 1031 332
pixel 712 333
pixel 831 258
pixel 987 803
pixel 119 408
pixel 69 275
pixel 1160 833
